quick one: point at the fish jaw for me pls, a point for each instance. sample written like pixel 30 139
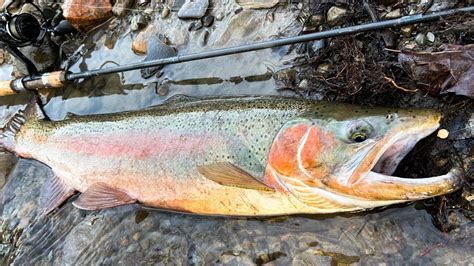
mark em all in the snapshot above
pixel 343 174
pixel 366 183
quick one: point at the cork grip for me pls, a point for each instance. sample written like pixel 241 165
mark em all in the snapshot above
pixel 5 88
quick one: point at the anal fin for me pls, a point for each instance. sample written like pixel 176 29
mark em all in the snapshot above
pixel 54 193
pixel 228 174
pixel 100 196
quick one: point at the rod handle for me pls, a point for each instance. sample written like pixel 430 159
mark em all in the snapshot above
pixel 56 79
pixel 6 88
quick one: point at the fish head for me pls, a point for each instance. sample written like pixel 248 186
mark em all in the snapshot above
pixel 343 159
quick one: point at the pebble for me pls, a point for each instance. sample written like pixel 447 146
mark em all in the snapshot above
pixel 163 89
pixel 388 38
pixel 148 11
pixel 165 13
pixel 193 9
pixel 406 31
pixel 132 248
pixel 136 236
pixel 430 37
pixel 195 26
pixel 220 16
pixel 207 21
pixel 420 39
pixel 336 15
pixel 138 22
pixel 393 14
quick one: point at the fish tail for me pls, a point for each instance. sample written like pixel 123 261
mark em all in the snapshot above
pixel 16 122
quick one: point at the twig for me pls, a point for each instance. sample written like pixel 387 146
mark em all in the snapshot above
pixel 397 86
pixel 392 50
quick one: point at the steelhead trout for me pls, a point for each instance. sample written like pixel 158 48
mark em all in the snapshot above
pixel 244 156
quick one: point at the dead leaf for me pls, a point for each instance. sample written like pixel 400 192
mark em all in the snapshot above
pixel 450 70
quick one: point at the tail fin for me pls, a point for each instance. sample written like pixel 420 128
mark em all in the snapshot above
pixel 15 122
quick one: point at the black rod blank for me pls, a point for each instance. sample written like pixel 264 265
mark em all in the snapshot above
pixel 403 21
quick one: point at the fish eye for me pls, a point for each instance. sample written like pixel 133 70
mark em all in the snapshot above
pixel 359 131
pixel 359 137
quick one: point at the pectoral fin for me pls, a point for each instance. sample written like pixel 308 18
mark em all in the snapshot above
pixel 228 174
pixel 101 196
pixel 54 193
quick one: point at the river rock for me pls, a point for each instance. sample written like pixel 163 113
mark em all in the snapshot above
pixel 86 14
pixel 193 9
pixel 336 16
pixel 420 39
pixel 139 44
pixel 393 14
pixel 257 4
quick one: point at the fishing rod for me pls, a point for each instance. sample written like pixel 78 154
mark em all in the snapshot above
pixel 58 79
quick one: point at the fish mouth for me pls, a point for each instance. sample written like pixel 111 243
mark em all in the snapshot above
pixel 380 184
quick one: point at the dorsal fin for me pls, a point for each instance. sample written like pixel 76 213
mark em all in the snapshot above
pixel 100 196
pixel 227 174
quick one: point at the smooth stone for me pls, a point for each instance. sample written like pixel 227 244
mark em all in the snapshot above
pixel 430 37
pixel 420 39
pixel 165 13
pixel 84 15
pixel 193 9
pixel 207 21
pixel 406 31
pixel 393 14
pixel 336 16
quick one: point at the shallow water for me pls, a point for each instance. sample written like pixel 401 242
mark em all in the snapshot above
pixel 133 234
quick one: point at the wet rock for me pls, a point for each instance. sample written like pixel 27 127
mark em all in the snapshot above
pixel 177 4
pixel 157 50
pixel 256 4
pixel 163 89
pixel 86 14
pixel 393 14
pixel 138 22
pixel 420 38
pixel 388 38
pixel 406 30
pixel 207 21
pixel 336 15
pixel 430 37
pixel 220 16
pixel 122 7
pixel 195 26
pixel 139 44
pixel 165 12
pixel 193 9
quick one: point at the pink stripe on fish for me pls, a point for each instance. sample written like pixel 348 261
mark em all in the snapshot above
pixel 136 145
